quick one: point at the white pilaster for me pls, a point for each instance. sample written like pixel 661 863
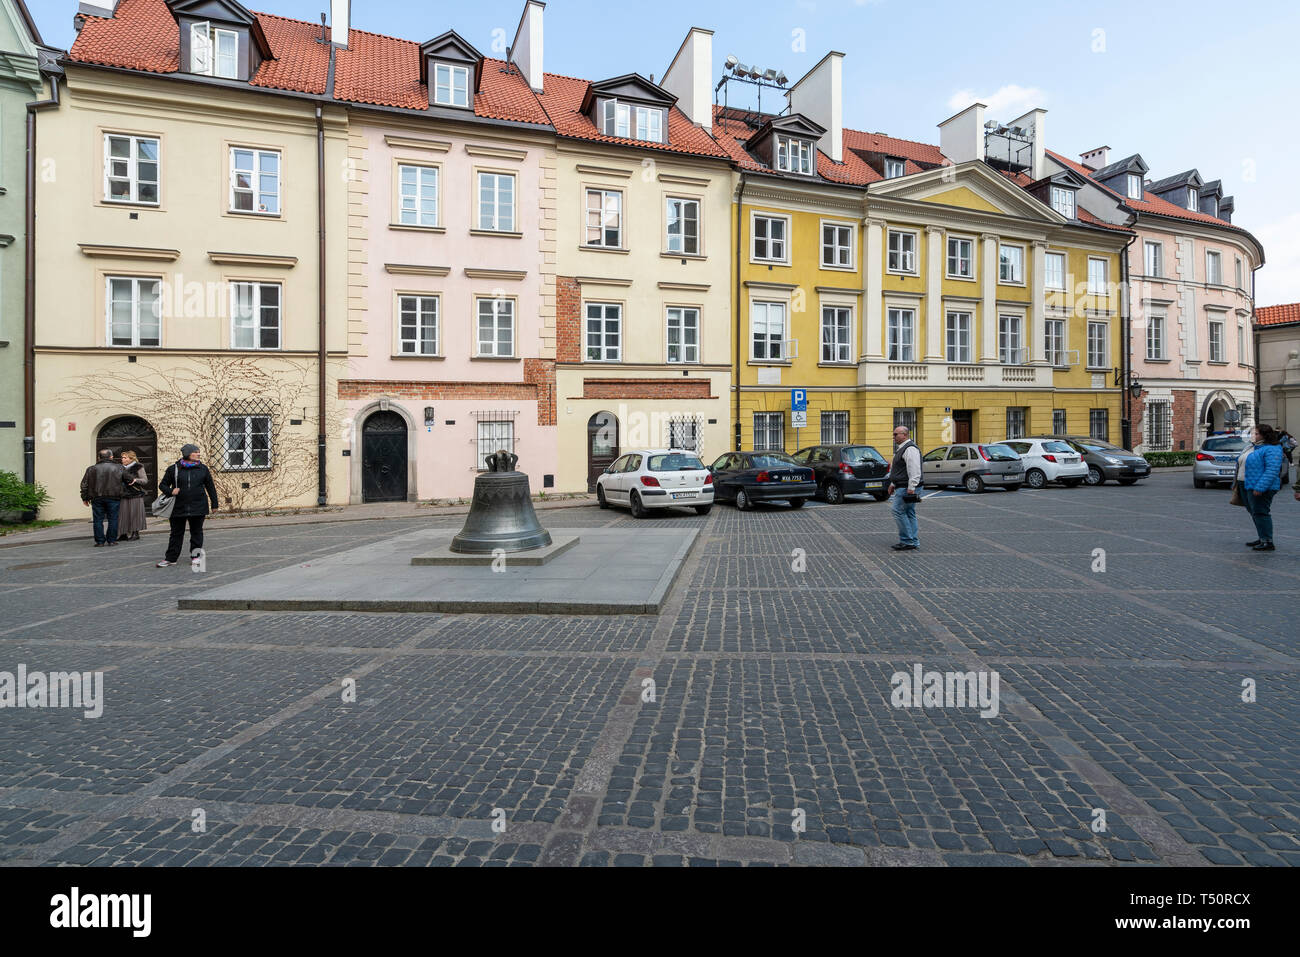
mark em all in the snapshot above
pixel 1038 307
pixel 988 329
pixel 873 279
pixel 934 266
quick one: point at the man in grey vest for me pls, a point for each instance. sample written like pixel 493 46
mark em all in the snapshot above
pixel 904 480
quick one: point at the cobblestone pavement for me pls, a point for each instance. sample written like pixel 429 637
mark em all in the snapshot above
pixel 767 737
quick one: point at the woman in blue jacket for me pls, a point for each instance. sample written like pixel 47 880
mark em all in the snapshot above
pixel 1263 478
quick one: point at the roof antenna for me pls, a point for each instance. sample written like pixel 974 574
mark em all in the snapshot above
pixel 322 28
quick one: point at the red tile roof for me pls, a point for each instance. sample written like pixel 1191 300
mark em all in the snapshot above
pixel 302 62
pixel 733 131
pixel 1277 315
pixel 562 98
pixel 891 146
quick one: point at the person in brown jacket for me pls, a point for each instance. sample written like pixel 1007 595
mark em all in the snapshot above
pixel 131 522
pixel 101 489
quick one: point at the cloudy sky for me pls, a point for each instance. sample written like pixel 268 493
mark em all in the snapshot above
pixel 1194 84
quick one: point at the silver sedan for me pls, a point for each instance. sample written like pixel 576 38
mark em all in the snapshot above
pixel 1216 460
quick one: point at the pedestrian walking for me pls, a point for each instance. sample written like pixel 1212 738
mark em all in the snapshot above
pixel 132 522
pixel 904 481
pixel 101 490
pixel 1261 480
pixel 190 482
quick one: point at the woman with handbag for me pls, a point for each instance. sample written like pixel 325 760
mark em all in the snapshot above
pixel 189 484
pixel 1261 478
pixel 132 520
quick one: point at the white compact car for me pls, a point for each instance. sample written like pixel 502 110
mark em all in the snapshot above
pixel 1050 460
pixel 656 478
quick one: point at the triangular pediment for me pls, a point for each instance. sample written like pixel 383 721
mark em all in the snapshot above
pixel 451 47
pixel 972 186
pixel 633 87
pixel 222 11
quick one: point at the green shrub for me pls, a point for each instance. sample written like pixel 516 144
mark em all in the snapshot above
pixel 17 496
pixel 1167 460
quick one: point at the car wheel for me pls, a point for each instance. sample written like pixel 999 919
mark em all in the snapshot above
pixel 1012 488
pixel 1128 482
pixel 638 509
pixel 1198 483
pixel 600 496
pixel 797 502
pixel 974 484
pixel 880 496
pixel 742 500
pixel 1095 476
pixel 1072 483
pixel 833 493
pixel 703 509
pixel 1036 478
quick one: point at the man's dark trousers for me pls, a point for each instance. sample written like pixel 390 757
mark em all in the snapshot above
pixel 101 510
pixel 195 523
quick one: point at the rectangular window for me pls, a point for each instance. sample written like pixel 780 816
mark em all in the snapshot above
pixel 1016 423
pixel 494 436
pixel 1213 268
pixel 1063 201
pixel 794 156
pixel 683 335
pixel 1240 277
pixel 1247 411
pixel 1155 337
pixel 769 431
pixel 961 259
pixel 1159 425
pixel 1059 422
pixel 213 51
pixel 417 195
pixel 959 337
pixel 1099 424
pixel 906 419
pixel 1241 344
pixel 1098 277
pixel 769 239
pixel 684 433
pixel 649 124
pixel 837 246
pixel 131 169
pixel 417 325
pixel 254 315
pixel 1054 271
pixel 1011 344
pixel 496 202
pixel 902 252
pixel 604 332
pixel 835 428
pixel 1011 264
pixel 496 328
pixel 1216 341
pixel 767 331
pixel 895 168
pixel 605 218
pixel 837 334
pixel 1134 186
pixel 1193 199
pixel 134 312
pixel 1054 341
pixel 248 443
pixel 451 85
pixel 1098 345
pixel 255 181
pixel 1155 259
pixel 901 335
pixel 618 119
pixel 683 226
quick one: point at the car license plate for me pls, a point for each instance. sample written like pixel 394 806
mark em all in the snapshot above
pixel 1227 471
pixel 684 494
pixel 874 485
pixel 791 478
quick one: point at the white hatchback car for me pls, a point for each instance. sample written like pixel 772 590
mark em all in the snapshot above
pixel 656 478
pixel 1050 460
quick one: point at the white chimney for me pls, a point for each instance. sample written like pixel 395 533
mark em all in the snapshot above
pixel 526 51
pixel 1033 122
pixel 820 97
pixel 690 77
pixel 340 23
pixel 961 137
pixel 1096 159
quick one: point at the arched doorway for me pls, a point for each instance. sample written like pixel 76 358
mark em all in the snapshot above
pixel 135 434
pixel 384 458
pixel 1214 414
pixel 602 445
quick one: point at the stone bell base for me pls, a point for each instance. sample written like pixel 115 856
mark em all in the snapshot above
pixel 597 573
pixel 537 556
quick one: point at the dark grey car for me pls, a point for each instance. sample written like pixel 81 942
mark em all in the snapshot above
pixel 1106 462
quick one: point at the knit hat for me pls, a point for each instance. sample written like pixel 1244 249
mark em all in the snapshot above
pixel 187 450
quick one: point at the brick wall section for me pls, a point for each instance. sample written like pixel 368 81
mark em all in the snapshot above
pixel 568 319
pixel 647 389
pixel 1184 425
pixel 540 374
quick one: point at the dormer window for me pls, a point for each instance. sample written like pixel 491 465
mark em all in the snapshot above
pixel 895 168
pixel 1193 199
pixel 214 51
pixel 618 120
pixel 1063 201
pixel 1214 208
pixel 794 155
pixel 451 85
pixel 1134 186
pixel 649 124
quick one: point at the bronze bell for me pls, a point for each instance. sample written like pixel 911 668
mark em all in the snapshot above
pixel 501 516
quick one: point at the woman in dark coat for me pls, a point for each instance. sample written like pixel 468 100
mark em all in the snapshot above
pixel 131 522
pixel 190 483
